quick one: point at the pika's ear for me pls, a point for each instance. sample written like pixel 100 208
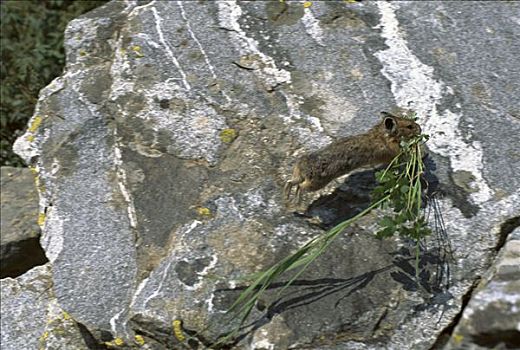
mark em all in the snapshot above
pixel 390 124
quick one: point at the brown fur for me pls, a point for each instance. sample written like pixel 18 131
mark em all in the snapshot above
pixel 377 146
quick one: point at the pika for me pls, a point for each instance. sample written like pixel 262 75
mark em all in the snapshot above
pixel 377 146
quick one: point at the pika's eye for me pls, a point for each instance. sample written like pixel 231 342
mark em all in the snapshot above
pixel 409 127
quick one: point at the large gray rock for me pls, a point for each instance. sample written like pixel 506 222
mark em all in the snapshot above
pixel 20 248
pixel 32 318
pixel 165 144
pixel 492 316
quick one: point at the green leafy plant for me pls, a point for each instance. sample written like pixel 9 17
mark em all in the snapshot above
pixel 399 192
pixel 32 55
pixel 401 183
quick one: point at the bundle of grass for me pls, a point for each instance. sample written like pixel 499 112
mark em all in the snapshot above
pixel 399 195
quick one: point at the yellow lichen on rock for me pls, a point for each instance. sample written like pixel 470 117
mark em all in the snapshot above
pixel 43 340
pixel 35 124
pixel 139 339
pixel 177 330
pixel 41 219
pixel 137 50
pixel 44 336
pixel 38 183
pixel 457 338
pixel 203 211
pixel 115 343
pixel 307 4
pixel 228 135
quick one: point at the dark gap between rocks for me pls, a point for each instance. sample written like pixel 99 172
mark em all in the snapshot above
pixel 19 257
pixel 510 339
pixel 89 339
pixel 505 229
pixel 483 339
pixel 446 333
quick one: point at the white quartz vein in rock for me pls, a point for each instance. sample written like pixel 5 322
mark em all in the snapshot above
pixel 166 269
pixel 138 8
pixel 211 306
pixel 114 323
pixel 413 86
pixel 122 181
pixel 312 26
pixel 120 65
pixel 204 272
pixel 229 13
pixel 206 58
pixel 167 48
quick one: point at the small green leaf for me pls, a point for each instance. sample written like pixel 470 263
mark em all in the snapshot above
pixel 387 222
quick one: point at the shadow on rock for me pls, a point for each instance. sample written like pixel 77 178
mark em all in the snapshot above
pixel 432 276
pixel 321 288
pixel 353 196
pixel 348 200
pixel 305 292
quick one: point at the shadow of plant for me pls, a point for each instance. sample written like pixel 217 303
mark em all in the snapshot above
pixel 304 292
pixel 348 200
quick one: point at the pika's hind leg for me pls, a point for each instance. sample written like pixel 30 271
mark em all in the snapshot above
pixel 298 194
pixel 293 181
pixel 287 189
pixel 301 185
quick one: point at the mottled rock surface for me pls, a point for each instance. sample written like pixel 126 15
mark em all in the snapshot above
pixel 164 146
pixel 31 316
pixel 20 248
pixel 492 317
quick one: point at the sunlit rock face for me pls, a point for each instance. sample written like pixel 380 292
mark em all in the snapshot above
pixel 163 149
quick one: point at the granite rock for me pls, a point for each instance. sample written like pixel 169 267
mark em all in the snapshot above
pixel 165 144
pixel 492 317
pixel 32 318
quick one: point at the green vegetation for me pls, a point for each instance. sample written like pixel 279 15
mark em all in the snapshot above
pixel 32 55
pixel 399 192
pixel 400 188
